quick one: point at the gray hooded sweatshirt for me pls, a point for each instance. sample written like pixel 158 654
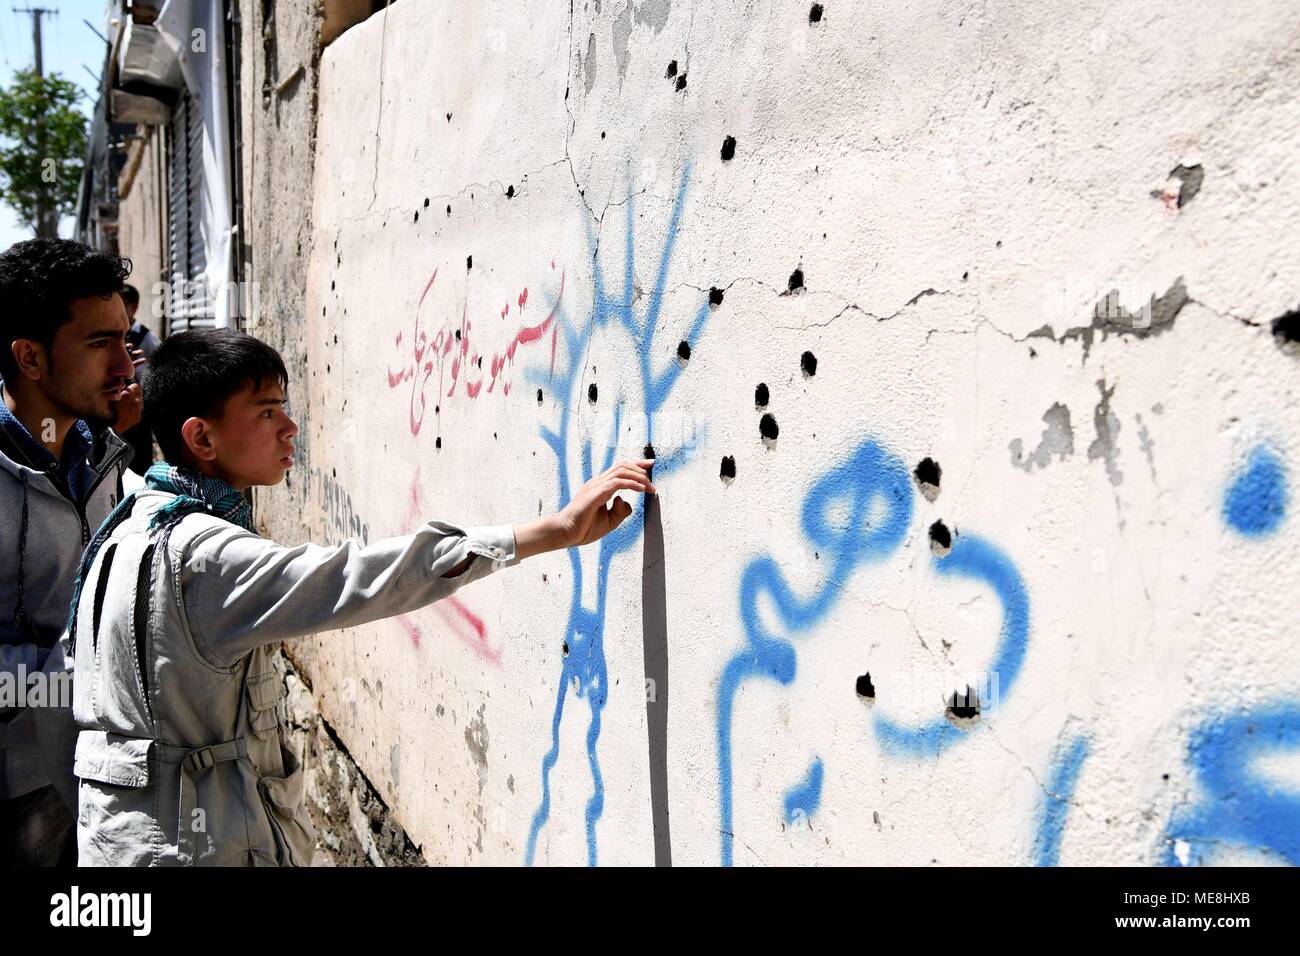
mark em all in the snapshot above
pixel 42 536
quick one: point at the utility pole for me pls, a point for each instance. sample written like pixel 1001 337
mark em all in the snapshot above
pixel 44 226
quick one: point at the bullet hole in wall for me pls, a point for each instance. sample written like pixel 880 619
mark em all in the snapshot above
pixel 336 338
pixel 469 262
pixel 426 202
pixel 449 209
pixel 761 396
pixel 331 285
pixel 998 244
pixel 417 216
pixel 437 442
pixel 591 393
pixel 1286 328
pixel 815 14
pixel 768 428
pixel 715 296
pixel 566 648
pixel 681 82
pixel 796 280
pixel 448 117
pixel 510 192
pixel 728 467
pixel 728 148
pixel 940 538
pixel 539 396
pixel 808 363
pixel 928 472
pixel 602 134
pixel 684 350
pixel 458 335
pixel 864 687
pixel 672 70
pixel 437 409
pixel 965 276
pixel 963 706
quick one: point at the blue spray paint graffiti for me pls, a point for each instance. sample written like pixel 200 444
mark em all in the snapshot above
pixel 869 477
pixel 1239 806
pixel 584 670
pixel 1061 781
pixel 975 558
pixel 1256 501
pixel 803 799
pixel 876 488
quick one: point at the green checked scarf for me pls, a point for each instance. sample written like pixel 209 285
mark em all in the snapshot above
pixel 194 492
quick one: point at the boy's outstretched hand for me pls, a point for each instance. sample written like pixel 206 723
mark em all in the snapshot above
pixel 590 515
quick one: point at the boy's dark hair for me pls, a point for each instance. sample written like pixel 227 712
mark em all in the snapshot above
pixel 39 279
pixel 130 294
pixel 193 373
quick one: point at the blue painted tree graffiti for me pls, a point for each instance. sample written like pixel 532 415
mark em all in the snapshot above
pixel 584 669
pixel 870 481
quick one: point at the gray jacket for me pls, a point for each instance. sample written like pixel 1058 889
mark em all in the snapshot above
pixel 42 536
pixel 181 755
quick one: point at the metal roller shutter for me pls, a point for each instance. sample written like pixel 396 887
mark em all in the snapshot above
pixel 191 303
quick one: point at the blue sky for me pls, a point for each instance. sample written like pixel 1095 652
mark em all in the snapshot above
pixel 68 44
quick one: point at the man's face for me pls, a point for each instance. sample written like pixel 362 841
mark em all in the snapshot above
pixel 253 441
pixel 87 366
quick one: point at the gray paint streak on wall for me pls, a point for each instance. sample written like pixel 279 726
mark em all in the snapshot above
pixel 1057 439
pixel 622 32
pixel 1107 424
pixel 588 65
pixel 652 13
pixel 395 763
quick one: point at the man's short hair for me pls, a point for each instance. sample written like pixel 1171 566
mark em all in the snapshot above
pixel 40 279
pixel 193 374
pixel 130 294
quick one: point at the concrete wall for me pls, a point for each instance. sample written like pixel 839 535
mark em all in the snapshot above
pixel 1007 280
pixel 142 222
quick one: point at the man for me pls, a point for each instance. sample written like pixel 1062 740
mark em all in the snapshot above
pixel 181 754
pixel 143 343
pixel 65 376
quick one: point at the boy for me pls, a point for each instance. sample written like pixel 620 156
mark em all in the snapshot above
pixel 65 370
pixel 180 752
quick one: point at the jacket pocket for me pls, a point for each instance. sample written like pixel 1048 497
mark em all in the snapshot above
pixel 106 757
pixel 265 691
pixel 282 798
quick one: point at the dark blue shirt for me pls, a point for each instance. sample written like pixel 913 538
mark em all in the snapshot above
pixel 72 474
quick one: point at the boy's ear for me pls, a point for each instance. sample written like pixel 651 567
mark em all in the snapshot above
pixel 198 439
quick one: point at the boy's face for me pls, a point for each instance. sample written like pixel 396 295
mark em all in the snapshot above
pixel 252 444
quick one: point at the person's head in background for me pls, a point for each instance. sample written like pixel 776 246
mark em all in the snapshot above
pixel 215 399
pixel 131 299
pixel 63 330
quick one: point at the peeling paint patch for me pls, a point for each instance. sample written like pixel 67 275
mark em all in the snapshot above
pixel 1182 186
pixel 1057 439
pixel 1110 317
pixel 1105 446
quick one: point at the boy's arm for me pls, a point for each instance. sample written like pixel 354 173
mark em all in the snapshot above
pixel 241 590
